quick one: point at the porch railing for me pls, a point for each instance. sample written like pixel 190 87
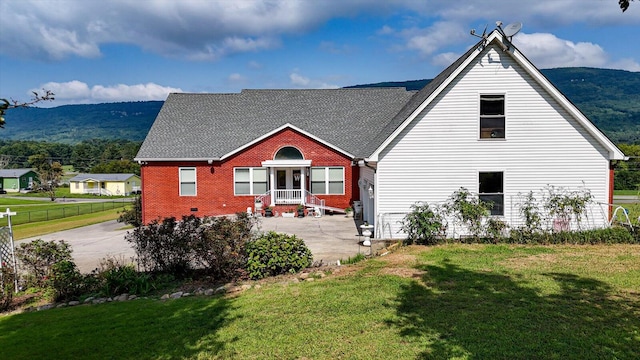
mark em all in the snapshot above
pixel 290 197
pixel 98 191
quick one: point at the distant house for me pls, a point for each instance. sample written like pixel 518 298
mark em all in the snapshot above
pixel 105 184
pixel 490 122
pixel 14 180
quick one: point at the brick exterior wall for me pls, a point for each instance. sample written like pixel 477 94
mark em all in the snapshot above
pixel 214 182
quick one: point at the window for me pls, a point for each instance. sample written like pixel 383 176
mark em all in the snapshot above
pixel 250 181
pixel 491 190
pixel 327 180
pixel 492 117
pixel 187 181
pixel 288 153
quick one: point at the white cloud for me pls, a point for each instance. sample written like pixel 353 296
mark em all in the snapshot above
pixel 549 51
pixel 428 40
pixel 77 92
pixel 626 64
pixel 300 81
pixel 445 59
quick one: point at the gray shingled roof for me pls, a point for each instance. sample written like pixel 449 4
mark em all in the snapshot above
pixel 101 177
pixel 208 126
pixel 13 173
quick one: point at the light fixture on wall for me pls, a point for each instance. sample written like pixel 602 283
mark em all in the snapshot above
pixel 370 192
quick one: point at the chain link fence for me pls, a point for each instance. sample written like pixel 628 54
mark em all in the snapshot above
pixel 25 217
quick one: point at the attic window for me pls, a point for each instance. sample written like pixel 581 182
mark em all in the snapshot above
pixel 492 117
pixel 288 153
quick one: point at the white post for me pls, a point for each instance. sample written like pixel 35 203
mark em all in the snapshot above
pixel 302 187
pixel 272 182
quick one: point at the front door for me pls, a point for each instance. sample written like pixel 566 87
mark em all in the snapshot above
pixel 288 186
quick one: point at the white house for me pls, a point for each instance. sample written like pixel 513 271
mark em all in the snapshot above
pixel 492 123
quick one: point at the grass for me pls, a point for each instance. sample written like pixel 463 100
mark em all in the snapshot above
pixel 452 301
pixel 29 230
pixel 626 192
pixel 33 211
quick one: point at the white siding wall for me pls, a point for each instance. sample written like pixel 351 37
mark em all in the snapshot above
pixel 440 151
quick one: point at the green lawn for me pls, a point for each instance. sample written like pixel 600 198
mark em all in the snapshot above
pixel 453 301
pixel 30 211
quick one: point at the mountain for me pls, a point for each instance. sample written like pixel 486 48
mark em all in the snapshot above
pixel 70 124
pixel 610 98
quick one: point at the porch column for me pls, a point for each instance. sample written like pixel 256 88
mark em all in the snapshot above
pixel 272 182
pixel 302 183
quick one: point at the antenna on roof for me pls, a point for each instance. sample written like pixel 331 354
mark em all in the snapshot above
pixel 509 31
pixel 484 33
pixel 483 36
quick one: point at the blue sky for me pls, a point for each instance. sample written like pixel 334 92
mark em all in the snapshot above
pixel 94 51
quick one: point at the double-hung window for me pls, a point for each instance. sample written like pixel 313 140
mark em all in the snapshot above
pixel 187 181
pixel 491 190
pixel 250 181
pixel 492 118
pixel 327 180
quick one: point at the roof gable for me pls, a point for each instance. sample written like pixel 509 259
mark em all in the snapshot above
pixel 425 96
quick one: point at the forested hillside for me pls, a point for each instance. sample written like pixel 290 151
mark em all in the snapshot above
pixel 71 124
pixel 610 98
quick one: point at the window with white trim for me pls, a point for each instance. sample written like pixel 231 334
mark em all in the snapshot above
pixel 250 181
pixel 491 190
pixel 327 180
pixel 187 181
pixel 492 118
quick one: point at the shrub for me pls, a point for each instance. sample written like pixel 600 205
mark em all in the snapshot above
pixel 273 254
pixel 132 216
pixel 66 280
pixel 115 278
pixel 612 235
pixel 166 246
pixel 7 287
pixel 38 256
pixel 221 247
pixel 468 210
pixel 423 225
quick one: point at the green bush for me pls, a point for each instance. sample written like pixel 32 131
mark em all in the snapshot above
pixel 7 287
pixel 67 281
pixel 115 277
pixel 220 250
pixel 423 225
pixel 274 254
pixel 132 216
pixel 38 256
pixel 612 235
pixel 166 246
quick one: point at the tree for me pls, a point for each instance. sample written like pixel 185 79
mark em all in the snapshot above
pixel 624 4
pixel 37 97
pixel 49 174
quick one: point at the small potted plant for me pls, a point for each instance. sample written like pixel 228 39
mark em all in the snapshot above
pixel 300 211
pixel 268 211
pixel 348 211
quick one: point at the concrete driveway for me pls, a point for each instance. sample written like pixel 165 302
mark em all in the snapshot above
pixel 329 238
pixel 93 243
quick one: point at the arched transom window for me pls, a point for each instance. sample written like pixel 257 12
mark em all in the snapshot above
pixel 288 153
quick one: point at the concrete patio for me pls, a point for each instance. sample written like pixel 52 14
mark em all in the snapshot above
pixel 330 237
